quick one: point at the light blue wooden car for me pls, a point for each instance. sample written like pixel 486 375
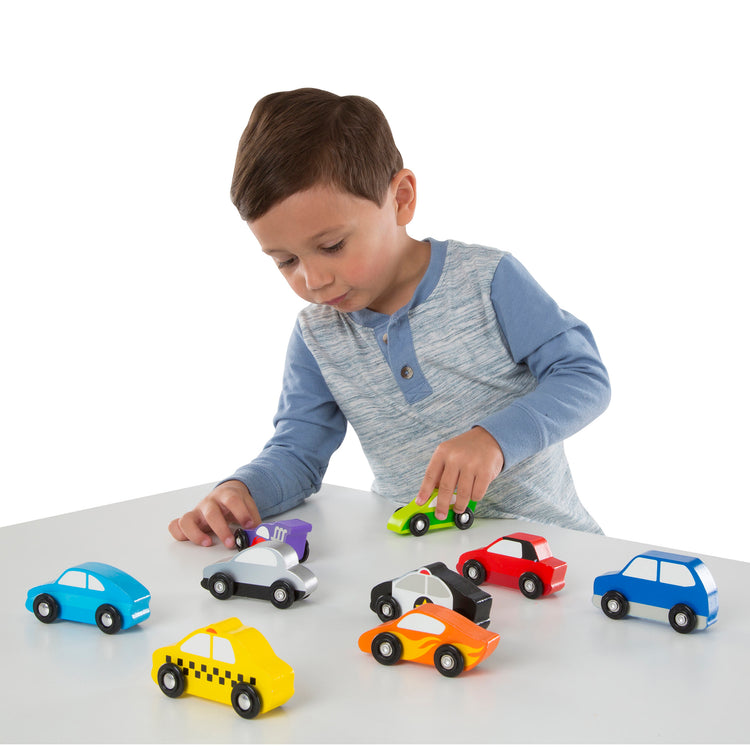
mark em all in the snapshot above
pixel 95 593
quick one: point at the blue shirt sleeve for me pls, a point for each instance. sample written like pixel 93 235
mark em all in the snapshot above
pixel 560 351
pixel 309 427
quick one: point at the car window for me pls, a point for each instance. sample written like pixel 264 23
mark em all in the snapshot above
pixel 509 547
pixel 436 587
pixel 421 623
pixel 675 574
pixel 95 584
pixel 641 567
pixel 75 578
pixel 262 531
pixel 199 644
pixel 223 650
pixel 414 582
pixel 258 556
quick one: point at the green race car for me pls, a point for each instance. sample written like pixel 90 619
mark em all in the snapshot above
pixel 419 519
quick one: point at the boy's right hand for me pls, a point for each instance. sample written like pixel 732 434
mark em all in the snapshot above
pixel 230 502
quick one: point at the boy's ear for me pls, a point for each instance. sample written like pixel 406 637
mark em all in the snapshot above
pixel 404 191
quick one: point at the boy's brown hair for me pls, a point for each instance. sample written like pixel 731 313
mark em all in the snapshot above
pixel 297 139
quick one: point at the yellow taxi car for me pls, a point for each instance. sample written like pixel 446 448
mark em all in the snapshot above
pixel 226 662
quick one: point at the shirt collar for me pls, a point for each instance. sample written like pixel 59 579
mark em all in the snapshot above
pixel 438 249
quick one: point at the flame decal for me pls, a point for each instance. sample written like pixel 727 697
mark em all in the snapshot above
pixel 419 644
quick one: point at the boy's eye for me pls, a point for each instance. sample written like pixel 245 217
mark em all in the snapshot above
pixel 285 263
pixel 333 248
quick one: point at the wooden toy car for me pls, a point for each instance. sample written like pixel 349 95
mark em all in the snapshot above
pixel 226 662
pixel 431 634
pixel 661 586
pixel 268 570
pixel 419 519
pixel 434 583
pixel 293 532
pixel 517 560
pixel 94 593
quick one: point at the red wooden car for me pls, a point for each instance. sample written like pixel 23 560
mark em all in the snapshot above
pixel 519 559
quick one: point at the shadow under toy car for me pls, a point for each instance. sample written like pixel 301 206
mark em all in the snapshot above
pixel 226 662
pixel 519 560
pixel 95 593
pixel 430 634
pixel 661 586
pixel 419 519
pixel 268 570
pixel 435 583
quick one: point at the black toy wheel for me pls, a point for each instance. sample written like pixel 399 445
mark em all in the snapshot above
pixel 615 605
pixel 420 600
pixel 386 648
pixel 282 594
pixel 108 619
pixel 240 539
pixel 419 525
pixel 682 618
pixel 46 608
pixel 171 680
pixel 531 585
pixel 221 585
pixel 449 661
pixel 387 608
pixel 474 571
pixel 306 553
pixel 246 700
pixel 464 519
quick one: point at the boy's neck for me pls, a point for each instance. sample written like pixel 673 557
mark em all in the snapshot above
pixel 414 264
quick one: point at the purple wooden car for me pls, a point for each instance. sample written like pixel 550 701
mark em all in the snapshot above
pixel 292 532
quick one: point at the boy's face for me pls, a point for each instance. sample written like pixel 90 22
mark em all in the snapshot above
pixel 337 249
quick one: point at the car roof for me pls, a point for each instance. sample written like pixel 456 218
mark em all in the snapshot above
pixel 119 578
pixel 282 551
pixel 246 640
pixel 656 554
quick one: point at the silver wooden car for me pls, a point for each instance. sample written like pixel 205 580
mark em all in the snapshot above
pixel 268 570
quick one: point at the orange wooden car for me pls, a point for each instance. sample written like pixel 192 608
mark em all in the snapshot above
pixel 431 634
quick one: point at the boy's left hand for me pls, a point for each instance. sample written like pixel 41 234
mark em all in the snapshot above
pixel 466 465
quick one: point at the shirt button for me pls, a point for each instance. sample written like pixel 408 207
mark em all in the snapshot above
pixel 407 372
pixel 385 338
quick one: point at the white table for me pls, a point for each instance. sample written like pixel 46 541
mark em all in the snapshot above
pixel 563 672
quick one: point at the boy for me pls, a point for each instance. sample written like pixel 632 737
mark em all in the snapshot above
pixel 453 366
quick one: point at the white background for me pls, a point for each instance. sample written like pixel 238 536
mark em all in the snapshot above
pixel 605 144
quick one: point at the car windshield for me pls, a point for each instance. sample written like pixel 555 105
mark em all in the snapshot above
pixel 199 645
pixel 223 650
pixel 508 547
pixel 75 578
pixel 641 567
pixel 414 582
pixel 421 623
pixel 258 556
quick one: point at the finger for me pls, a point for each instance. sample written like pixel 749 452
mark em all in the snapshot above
pixel 430 481
pixel 191 529
pixel 245 515
pixel 445 495
pixel 176 531
pixel 218 524
pixel 481 485
pixel 464 490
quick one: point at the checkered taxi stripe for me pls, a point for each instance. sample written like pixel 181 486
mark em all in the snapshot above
pixel 201 672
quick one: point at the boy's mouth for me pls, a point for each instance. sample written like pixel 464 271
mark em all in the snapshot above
pixel 335 301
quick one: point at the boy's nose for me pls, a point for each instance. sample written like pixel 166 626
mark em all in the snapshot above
pixel 317 276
